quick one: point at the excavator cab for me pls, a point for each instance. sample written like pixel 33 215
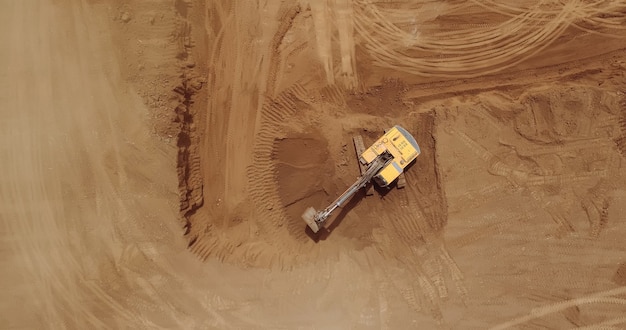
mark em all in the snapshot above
pixel 402 147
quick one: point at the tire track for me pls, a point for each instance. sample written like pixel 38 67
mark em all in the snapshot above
pixel 476 51
pixel 620 141
pixel 412 230
pixel 518 177
pixel 510 80
pixel 262 175
pixel 332 94
pixel 323 33
pixel 286 21
pixel 535 313
pixel 343 14
pixel 546 178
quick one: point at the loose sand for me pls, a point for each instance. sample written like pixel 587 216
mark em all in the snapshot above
pixel 157 155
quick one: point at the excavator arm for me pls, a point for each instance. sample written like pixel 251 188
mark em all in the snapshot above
pixel 316 219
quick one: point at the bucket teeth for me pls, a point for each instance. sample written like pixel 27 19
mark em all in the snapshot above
pixel 309 217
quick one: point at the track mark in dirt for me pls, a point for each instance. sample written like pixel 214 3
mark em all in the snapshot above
pixel 273 156
pixel 620 140
pixel 395 40
pixel 512 80
pixel 406 224
pixel 425 174
pixel 598 298
pixel 333 94
pixel 620 274
pixel 559 144
pixel 419 209
pixel 286 19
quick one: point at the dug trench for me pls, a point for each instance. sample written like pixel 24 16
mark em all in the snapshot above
pixel 303 156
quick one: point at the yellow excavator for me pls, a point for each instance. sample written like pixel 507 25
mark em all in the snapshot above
pixel 383 162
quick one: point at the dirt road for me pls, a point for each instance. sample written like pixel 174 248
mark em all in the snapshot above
pixel 79 170
pixel 120 118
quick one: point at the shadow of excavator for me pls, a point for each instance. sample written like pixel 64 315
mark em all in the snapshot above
pixel 335 220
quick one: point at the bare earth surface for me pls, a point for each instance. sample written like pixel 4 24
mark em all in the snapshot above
pixel 157 155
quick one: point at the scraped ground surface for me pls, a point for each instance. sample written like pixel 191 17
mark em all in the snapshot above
pixel 157 155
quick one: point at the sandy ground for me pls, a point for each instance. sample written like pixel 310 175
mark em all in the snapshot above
pixel 157 155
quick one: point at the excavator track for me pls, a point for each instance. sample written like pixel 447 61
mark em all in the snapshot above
pixel 359 147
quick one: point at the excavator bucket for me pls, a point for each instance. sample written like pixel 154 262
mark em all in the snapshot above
pixel 309 217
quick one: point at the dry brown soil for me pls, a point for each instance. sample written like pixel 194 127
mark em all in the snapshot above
pixel 157 155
